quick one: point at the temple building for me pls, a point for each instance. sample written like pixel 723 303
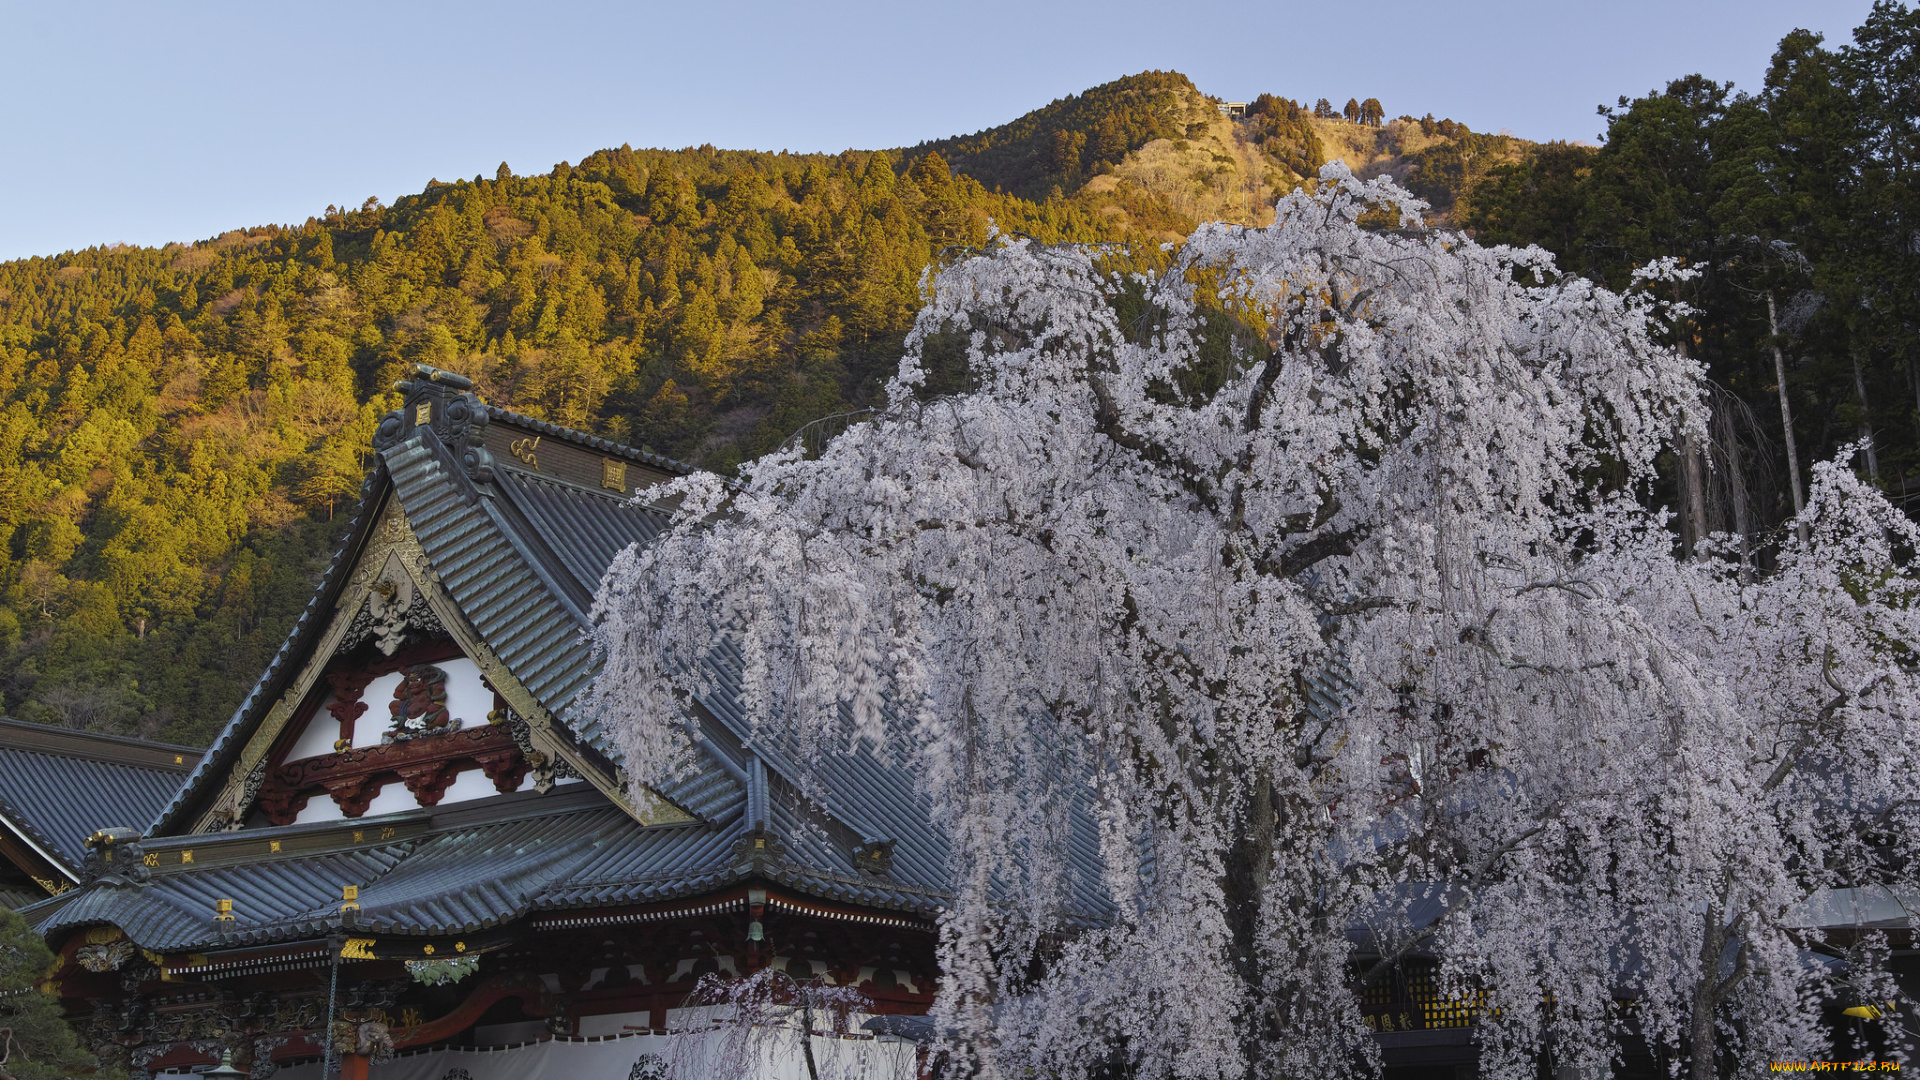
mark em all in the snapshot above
pixel 57 784
pixel 412 853
pixel 413 825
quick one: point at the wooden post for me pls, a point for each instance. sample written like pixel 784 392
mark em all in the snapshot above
pixel 354 1066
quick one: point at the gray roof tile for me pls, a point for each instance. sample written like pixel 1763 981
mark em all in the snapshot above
pixel 63 800
pixel 522 556
pixel 453 879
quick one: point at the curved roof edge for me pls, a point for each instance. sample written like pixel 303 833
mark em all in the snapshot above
pixel 226 745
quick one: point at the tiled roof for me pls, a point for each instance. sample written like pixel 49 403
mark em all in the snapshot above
pixel 529 613
pixel 594 442
pixel 521 554
pixel 59 787
pixel 525 855
pixel 272 899
pixel 18 896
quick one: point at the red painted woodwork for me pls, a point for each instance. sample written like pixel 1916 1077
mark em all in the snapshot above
pixel 350 793
pixel 534 1001
pixel 506 768
pixel 346 706
pixel 427 765
pixel 348 679
pixel 428 780
pixel 282 804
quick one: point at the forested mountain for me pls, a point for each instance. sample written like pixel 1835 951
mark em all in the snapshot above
pixel 183 425
pixel 1074 137
pixel 1797 207
pixel 1154 154
pixel 183 429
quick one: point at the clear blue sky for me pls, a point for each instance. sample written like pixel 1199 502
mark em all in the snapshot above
pixel 145 122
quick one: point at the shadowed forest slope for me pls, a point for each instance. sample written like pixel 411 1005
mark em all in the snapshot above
pixel 180 427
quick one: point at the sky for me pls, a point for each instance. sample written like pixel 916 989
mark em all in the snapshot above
pixel 147 123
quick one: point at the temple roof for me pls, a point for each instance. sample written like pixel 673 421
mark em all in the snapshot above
pixel 518 534
pixel 515 549
pixel 58 786
pixel 447 871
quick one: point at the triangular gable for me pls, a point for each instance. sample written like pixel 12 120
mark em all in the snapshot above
pixel 498 528
pixel 375 714
pixel 439 444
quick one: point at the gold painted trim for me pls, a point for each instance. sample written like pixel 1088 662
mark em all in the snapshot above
pixel 394 545
pixel 231 807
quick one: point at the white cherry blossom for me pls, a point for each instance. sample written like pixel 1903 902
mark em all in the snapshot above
pixel 1308 577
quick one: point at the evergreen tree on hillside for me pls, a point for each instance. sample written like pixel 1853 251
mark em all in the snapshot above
pixel 36 1042
pixel 1791 207
pixel 1282 130
pixel 186 428
pixel 1071 137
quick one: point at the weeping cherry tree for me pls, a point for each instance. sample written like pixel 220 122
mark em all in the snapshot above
pixel 1305 577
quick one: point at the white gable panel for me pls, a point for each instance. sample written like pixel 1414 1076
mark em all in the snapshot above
pixel 374 724
pixel 468 699
pixel 320 808
pixel 318 737
pixel 469 785
pixel 393 798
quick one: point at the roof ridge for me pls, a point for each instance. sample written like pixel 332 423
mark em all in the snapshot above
pixel 605 445
pixel 47 739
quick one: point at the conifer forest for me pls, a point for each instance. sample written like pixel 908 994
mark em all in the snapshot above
pixel 184 429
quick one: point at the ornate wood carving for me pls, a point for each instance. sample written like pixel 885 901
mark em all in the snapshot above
pixel 282 804
pixel 346 706
pixel 419 705
pixel 428 780
pixel 427 765
pixel 506 768
pixel 351 793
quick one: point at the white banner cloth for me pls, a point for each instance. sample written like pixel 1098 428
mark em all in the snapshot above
pixel 634 1057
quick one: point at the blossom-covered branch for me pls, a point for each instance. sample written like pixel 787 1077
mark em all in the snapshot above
pixel 1242 610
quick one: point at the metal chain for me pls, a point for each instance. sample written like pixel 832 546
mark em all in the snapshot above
pixel 333 990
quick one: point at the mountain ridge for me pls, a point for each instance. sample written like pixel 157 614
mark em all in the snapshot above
pixel 181 425
pixel 1161 136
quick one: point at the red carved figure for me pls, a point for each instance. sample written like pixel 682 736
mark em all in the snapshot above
pixel 420 702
